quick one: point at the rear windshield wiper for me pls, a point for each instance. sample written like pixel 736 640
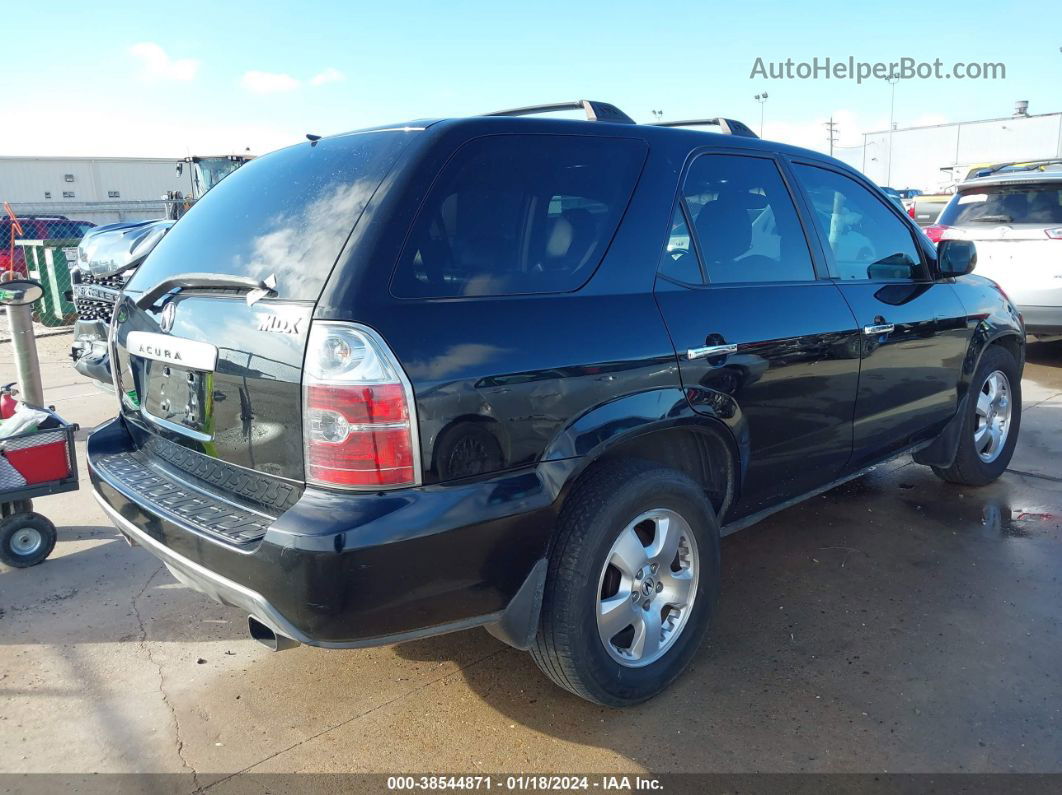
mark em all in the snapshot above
pixel 992 219
pixel 256 288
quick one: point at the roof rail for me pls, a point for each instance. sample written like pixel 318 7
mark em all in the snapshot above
pixel 595 111
pixel 726 126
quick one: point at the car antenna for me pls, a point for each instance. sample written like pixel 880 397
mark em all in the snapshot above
pixel 313 137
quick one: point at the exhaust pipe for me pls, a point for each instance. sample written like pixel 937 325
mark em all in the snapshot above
pixel 267 637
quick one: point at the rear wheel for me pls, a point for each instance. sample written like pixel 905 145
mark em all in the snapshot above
pixel 26 539
pixel 632 583
pixel 991 424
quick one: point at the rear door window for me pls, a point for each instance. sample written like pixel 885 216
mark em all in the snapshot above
pixel 745 221
pixel 513 214
pixel 1005 204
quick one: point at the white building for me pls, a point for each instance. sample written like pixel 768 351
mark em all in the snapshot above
pixel 934 158
pixel 98 189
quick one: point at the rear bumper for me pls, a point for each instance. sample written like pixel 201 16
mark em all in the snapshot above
pixel 351 570
pixel 1042 320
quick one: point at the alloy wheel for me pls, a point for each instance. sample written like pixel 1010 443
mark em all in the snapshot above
pixel 647 587
pixel 993 416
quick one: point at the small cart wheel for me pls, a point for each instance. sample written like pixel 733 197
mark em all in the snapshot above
pixel 26 539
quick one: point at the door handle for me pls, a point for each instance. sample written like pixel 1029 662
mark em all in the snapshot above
pixel 709 351
pixel 881 328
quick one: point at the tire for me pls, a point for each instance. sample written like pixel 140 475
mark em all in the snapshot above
pixel 596 519
pixel 975 465
pixel 26 539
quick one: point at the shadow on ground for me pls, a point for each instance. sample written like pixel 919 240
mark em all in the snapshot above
pixel 894 623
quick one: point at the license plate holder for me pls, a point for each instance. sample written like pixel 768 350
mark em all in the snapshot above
pixel 179 397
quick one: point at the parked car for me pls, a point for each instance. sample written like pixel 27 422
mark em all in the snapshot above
pixel 895 197
pixel 35 227
pixel 925 209
pixel 524 372
pixel 106 259
pixel 1015 219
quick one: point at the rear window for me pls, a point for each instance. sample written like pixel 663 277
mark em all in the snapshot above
pixel 514 214
pixel 286 214
pixel 66 230
pixel 1005 204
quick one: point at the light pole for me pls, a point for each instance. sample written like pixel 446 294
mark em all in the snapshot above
pixel 762 99
pixel 892 80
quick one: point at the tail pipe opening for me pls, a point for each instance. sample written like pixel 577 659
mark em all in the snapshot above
pixel 267 637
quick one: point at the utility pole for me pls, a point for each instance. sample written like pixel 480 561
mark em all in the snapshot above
pixel 831 133
pixel 892 80
pixel 762 99
pixel 657 114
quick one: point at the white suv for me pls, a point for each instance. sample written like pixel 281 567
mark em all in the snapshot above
pixel 1015 219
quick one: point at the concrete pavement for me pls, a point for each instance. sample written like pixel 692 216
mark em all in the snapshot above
pixel 896 623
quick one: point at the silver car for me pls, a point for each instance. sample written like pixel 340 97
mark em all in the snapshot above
pixel 1015 220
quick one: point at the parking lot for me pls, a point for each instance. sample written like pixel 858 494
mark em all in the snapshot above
pixel 893 624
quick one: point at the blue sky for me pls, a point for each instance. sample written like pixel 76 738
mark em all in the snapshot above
pixel 176 78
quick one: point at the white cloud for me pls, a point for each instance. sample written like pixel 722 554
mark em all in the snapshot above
pixel 157 65
pixel 268 82
pixel 329 75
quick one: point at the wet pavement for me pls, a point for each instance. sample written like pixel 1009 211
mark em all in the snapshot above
pixel 896 623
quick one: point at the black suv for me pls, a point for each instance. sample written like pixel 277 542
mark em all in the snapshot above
pixel 523 373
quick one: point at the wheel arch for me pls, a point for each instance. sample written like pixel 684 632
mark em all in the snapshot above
pixel 660 426
pixel 941 451
pixel 985 337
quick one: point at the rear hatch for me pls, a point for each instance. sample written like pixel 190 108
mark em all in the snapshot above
pixel 1017 229
pixel 211 330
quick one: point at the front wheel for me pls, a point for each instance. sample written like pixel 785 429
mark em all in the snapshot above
pixel 990 426
pixel 633 579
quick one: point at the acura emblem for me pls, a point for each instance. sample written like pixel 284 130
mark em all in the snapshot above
pixel 168 311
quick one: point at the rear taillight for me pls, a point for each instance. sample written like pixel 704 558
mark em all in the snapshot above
pixel 936 231
pixel 911 210
pixel 359 423
pixel 1054 234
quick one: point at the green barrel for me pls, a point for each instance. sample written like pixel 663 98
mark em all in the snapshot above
pixel 49 262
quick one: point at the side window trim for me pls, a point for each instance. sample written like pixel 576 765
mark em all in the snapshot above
pixel 819 262
pixel 694 242
pixel 805 200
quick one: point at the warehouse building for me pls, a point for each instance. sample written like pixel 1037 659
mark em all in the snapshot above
pixel 935 157
pixel 97 189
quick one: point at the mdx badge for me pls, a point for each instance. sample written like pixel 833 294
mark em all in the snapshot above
pixel 282 325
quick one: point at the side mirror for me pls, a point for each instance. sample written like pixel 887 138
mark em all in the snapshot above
pixel 956 257
pixel 180 169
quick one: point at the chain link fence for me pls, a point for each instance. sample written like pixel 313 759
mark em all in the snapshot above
pixel 40 240
pixel 51 203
